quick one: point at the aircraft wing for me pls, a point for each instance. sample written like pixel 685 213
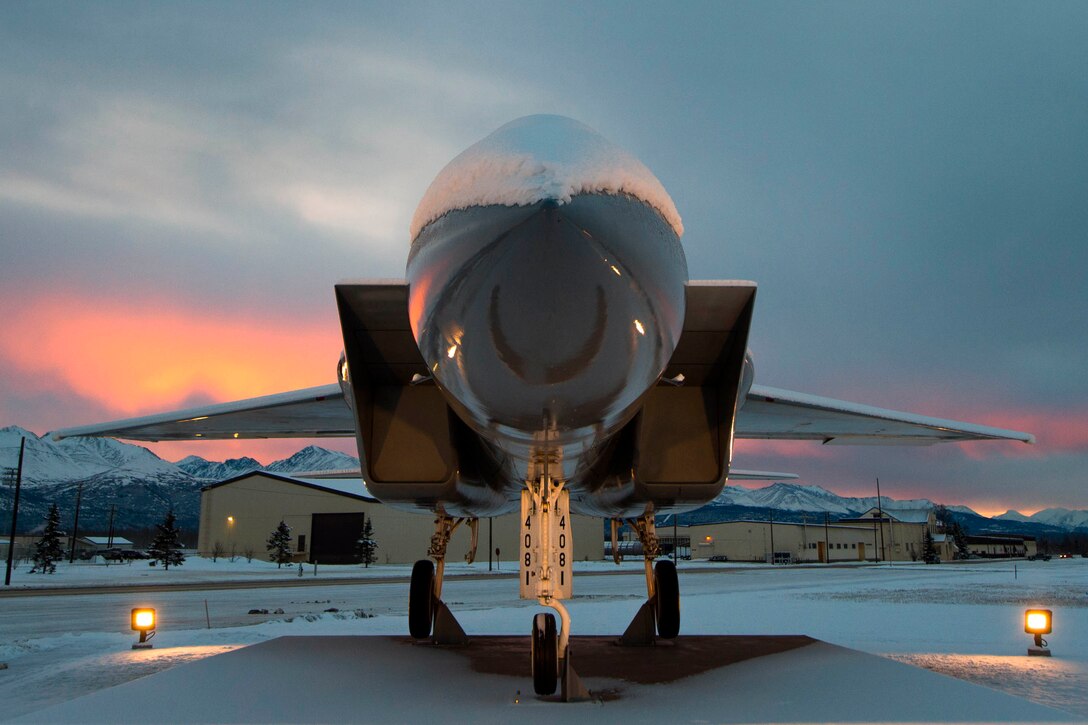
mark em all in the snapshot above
pixel 737 474
pixel 308 413
pixel 771 413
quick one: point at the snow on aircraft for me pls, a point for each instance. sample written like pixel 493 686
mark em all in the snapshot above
pixel 546 354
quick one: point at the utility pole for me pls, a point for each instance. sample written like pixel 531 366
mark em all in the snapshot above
pixel 109 539
pixel 827 538
pixel 75 524
pixel 675 541
pixel 880 511
pixel 15 512
pixel 772 536
pixel 490 521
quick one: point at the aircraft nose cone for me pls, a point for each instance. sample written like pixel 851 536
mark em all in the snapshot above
pixel 561 312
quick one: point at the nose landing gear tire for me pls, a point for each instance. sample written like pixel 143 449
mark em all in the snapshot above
pixel 545 653
pixel 421 599
pixel 667 599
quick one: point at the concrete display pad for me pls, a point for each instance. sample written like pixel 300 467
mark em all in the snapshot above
pixel 393 679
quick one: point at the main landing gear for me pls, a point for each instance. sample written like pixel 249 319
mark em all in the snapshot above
pixel 660 614
pixel 428 615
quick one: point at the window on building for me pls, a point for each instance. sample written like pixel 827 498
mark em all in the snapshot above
pixel 301 543
pixel 853 546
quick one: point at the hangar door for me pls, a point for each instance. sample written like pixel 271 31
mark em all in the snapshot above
pixel 333 538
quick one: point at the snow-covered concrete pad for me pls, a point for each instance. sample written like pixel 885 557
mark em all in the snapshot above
pixel 392 679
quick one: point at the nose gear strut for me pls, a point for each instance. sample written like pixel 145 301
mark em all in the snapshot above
pixel 546 567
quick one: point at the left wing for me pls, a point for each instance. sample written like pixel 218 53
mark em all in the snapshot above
pixel 308 413
pixel 786 415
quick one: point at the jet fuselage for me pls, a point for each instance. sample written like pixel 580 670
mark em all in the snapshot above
pixel 545 325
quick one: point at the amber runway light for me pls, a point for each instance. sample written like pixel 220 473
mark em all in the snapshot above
pixel 143 621
pixel 1039 622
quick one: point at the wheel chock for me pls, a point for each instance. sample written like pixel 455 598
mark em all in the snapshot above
pixel 572 689
pixel 642 631
pixel 447 630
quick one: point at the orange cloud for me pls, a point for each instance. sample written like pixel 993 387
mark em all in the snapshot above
pixel 139 360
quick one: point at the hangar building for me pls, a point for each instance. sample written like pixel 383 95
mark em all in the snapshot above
pixel 887 535
pixel 326 517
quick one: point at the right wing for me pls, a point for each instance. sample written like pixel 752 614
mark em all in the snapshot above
pixel 309 413
pixel 772 413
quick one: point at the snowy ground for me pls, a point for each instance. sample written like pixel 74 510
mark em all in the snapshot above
pixel 962 620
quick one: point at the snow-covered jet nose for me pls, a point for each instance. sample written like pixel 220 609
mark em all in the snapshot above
pixel 550 316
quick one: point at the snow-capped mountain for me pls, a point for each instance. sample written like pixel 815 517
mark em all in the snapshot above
pixel 313 458
pixel 1011 515
pixel 1062 518
pixel 797 497
pixel 47 461
pixel 128 480
pixel 214 471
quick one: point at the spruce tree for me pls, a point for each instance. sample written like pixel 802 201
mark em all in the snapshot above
pixel 48 550
pixel 366 546
pixel 279 545
pixel 166 546
pixel 959 536
pixel 929 551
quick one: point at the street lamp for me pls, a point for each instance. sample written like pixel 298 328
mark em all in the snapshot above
pixel 143 621
pixel 1039 622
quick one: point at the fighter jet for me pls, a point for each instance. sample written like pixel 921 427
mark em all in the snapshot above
pixel 546 353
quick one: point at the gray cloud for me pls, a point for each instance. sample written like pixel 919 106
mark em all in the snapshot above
pixel 905 182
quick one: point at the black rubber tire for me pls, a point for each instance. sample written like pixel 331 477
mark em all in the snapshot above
pixel 667 599
pixel 421 599
pixel 545 653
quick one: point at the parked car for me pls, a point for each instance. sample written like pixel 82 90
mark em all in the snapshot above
pixel 1039 557
pixel 114 554
pixel 719 557
pixel 134 554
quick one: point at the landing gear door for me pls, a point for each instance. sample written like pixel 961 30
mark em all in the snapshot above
pixel 546 556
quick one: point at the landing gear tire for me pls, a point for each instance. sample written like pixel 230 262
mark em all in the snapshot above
pixel 421 599
pixel 545 650
pixel 667 599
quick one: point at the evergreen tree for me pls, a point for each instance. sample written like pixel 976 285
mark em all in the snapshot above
pixel 366 547
pixel 959 538
pixel 279 545
pixel 166 546
pixel 48 550
pixel 929 551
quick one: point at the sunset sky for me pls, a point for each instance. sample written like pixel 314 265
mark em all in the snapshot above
pixel 182 184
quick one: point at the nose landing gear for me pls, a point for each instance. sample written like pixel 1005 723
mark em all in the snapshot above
pixel 546 569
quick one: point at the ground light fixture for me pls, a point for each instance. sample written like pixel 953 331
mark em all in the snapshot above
pixel 1039 622
pixel 143 621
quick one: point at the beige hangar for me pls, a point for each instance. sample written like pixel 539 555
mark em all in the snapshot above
pixel 325 516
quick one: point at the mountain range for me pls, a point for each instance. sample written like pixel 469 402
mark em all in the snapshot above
pixel 1061 518
pixel 126 481
pixel 139 487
